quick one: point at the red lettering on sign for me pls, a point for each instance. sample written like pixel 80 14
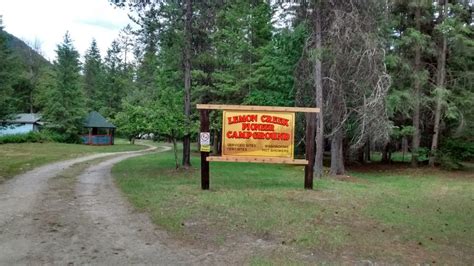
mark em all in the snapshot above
pixel 257 135
pixel 258 127
pixel 275 120
pixel 242 119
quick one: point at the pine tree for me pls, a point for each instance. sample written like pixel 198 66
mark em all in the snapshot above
pixel 146 52
pixel 243 32
pixel 115 81
pixel 93 78
pixel 65 107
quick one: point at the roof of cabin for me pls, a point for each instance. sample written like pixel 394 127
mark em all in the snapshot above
pixel 27 118
pixel 94 119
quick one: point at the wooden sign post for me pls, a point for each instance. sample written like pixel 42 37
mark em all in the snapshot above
pixel 258 134
pixel 204 154
pixel 310 146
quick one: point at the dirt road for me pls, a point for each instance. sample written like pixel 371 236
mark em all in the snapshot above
pixel 50 217
pixel 71 213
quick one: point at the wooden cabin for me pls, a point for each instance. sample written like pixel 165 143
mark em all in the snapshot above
pixel 21 124
pixel 99 130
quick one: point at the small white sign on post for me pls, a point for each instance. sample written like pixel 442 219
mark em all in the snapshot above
pixel 205 141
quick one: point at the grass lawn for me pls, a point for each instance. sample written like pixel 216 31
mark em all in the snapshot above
pixel 18 158
pixel 396 215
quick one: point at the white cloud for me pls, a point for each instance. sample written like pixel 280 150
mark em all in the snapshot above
pixel 48 21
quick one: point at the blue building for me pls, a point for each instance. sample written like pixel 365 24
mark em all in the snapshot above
pixel 21 124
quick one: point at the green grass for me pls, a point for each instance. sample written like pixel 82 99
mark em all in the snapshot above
pixel 400 216
pixel 18 158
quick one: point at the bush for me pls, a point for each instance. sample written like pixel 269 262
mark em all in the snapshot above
pixel 37 136
pixel 53 136
pixel 454 151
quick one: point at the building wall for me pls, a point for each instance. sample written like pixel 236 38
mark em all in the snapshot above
pixel 17 129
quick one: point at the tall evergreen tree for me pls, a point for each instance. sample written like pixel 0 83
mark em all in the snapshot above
pixel 115 80
pixel 147 49
pixel 94 78
pixel 243 32
pixel 65 106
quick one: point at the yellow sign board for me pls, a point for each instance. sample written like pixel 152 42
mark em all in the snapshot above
pixel 258 133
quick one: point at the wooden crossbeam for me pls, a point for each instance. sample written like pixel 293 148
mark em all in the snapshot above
pixel 244 159
pixel 256 108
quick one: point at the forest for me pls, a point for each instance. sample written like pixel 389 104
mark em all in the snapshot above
pixel 388 76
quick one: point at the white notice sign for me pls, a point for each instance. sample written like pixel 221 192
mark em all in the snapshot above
pixel 205 138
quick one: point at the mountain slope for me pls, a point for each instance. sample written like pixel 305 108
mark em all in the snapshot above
pixel 25 53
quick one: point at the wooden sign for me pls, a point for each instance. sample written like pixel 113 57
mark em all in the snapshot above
pixel 262 134
pixel 259 134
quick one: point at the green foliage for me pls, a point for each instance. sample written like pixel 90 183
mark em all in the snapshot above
pixel 31 137
pixel 151 23
pixel 131 121
pixel 8 74
pixel 93 80
pixel 454 151
pixel 399 103
pixel 116 81
pixel 403 131
pixel 241 40
pixel 456 94
pixel 165 116
pixel 423 154
pixel 20 69
pixel 65 106
pixel 274 73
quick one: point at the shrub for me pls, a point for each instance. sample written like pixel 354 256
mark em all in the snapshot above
pixel 454 151
pixel 37 136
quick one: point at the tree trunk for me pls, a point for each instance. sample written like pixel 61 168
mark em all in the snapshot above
pixel 337 155
pixel 417 96
pixel 187 85
pixel 360 155
pixel 175 149
pixel 385 152
pixel 215 146
pixel 318 85
pixel 404 144
pixel 440 80
pixel 198 143
pixel 404 147
pixel 367 151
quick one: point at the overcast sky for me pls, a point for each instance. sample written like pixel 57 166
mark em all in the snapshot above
pixel 48 21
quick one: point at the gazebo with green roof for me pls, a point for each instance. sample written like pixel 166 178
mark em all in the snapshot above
pixel 100 131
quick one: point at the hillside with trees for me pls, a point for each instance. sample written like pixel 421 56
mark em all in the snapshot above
pixel 21 70
pixel 388 75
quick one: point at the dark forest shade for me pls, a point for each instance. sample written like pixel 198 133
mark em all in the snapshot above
pixel 95 122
